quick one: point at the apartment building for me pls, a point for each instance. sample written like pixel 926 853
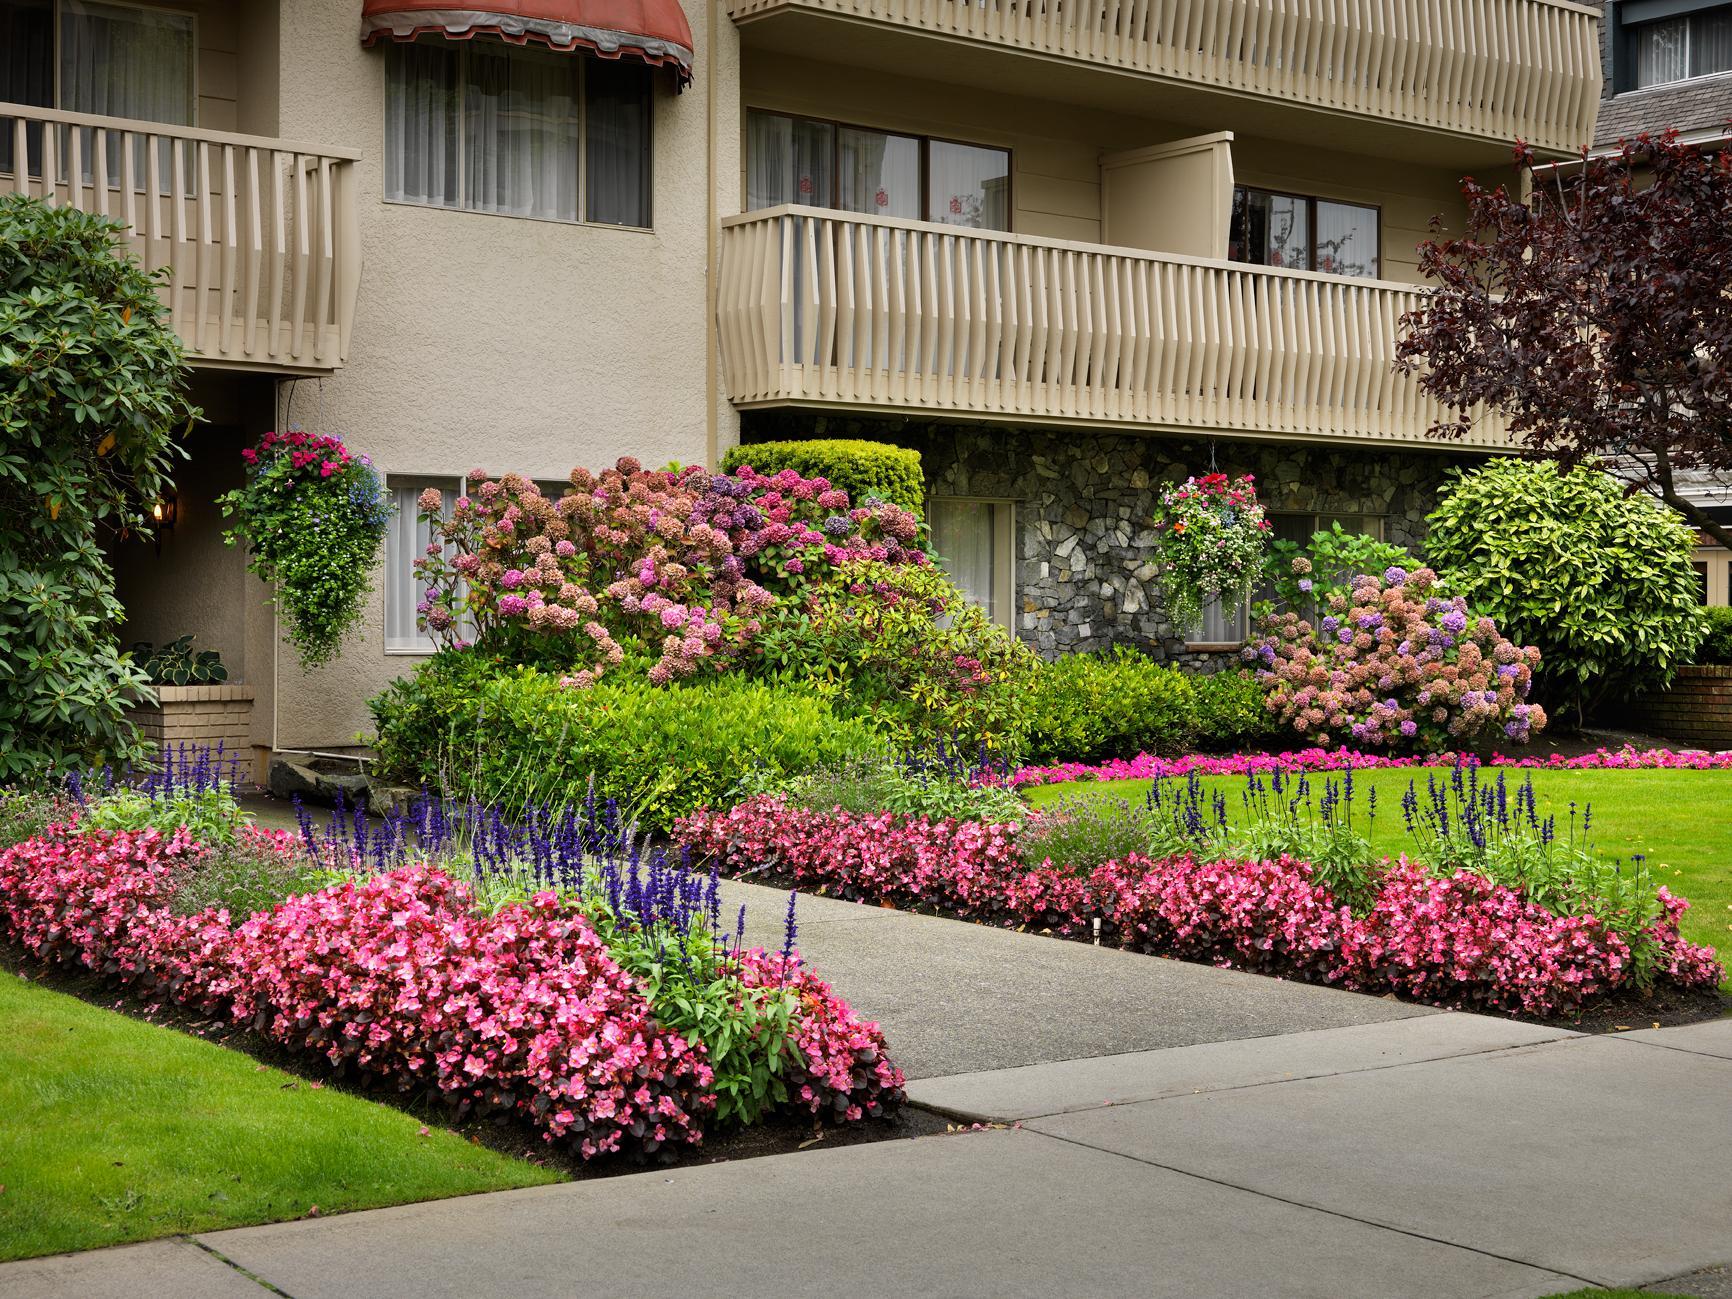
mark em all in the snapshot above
pixel 1070 252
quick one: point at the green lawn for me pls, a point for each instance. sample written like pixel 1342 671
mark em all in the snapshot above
pixel 1682 821
pixel 117 1130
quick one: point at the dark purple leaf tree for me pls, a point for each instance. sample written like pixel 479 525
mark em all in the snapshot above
pixel 1596 316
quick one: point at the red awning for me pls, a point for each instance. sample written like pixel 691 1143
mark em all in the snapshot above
pixel 654 31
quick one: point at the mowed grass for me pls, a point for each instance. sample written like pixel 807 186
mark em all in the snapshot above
pixel 1681 821
pixel 116 1130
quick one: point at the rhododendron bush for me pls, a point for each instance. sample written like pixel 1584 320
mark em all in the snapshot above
pixel 1459 941
pixel 682 560
pixel 400 978
pixel 1392 664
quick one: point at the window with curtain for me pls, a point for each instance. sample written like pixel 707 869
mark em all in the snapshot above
pixel 1231 625
pixel 406 540
pixel 1676 49
pixel 879 173
pixel 114 60
pixel 976 545
pixel 517 131
pixel 1302 233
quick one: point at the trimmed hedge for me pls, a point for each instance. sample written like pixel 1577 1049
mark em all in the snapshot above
pixel 854 465
pixel 1231 712
pixel 662 751
pixel 1089 707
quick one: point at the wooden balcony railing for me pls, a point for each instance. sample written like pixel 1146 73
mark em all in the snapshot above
pixel 821 308
pixel 1499 69
pixel 259 235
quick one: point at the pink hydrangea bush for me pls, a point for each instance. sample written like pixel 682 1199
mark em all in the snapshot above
pixel 1148 766
pixel 684 561
pixel 1392 664
pixel 1458 942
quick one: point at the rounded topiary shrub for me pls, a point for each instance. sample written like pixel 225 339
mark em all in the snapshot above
pixel 1598 579
pixel 855 466
pixel 1092 707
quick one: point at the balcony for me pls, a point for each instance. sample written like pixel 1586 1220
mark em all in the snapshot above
pixel 1478 70
pixel 820 309
pixel 259 236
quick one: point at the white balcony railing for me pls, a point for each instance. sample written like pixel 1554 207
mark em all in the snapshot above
pixel 820 308
pixel 259 235
pixel 1498 69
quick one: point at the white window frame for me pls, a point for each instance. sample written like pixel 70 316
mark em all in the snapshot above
pixel 1319 520
pixel 422 644
pixel 582 197
pixel 1003 551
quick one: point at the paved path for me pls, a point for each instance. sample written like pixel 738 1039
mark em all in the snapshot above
pixel 1175 1131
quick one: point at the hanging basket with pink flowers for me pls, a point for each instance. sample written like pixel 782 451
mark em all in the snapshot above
pixel 1212 545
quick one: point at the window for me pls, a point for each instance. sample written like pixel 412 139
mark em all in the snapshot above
pixel 406 541
pixel 879 173
pixel 1701 568
pixel 1232 626
pixel 117 60
pixel 1676 49
pixel 976 545
pixel 1303 234
pixel 517 131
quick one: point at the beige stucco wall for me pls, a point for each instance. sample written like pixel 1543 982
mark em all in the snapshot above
pixel 506 343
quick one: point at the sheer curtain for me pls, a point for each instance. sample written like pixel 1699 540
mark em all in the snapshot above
pixel 616 105
pixel 1661 54
pixel 965 535
pixel 1711 43
pixel 26 71
pixel 520 130
pixel 788 160
pixel 406 540
pixel 968 185
pixel 879 174
pixel 124 62
pixel 1346 239
pixel 421 96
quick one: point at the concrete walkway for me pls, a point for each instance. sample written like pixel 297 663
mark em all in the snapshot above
pixel 1170 1130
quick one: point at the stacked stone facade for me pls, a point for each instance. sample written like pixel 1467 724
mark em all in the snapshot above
pixel 1085 572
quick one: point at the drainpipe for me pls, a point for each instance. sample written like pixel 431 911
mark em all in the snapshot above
pixel 712 243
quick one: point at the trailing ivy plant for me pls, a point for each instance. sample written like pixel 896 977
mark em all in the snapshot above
pixel 312 517
pixel 92 396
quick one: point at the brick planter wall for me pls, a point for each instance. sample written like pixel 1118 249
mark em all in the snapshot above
pixel 197 715
pixel 1697 709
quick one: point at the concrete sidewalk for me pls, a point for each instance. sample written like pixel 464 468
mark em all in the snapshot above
pixel 1178 1131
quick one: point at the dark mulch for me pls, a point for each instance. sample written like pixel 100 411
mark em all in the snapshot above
pixel 1663 1007
pixel 777 1137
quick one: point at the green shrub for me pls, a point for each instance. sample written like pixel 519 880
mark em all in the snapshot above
pixel 902 649
pixel 878 783
pixel 211 816
pixel 92 394
pixel 522 738
pixel 857 467
pixel 1091 707
pixel 1335 557
pixel 1716 646
pixel 1599 580
pixel 1231 713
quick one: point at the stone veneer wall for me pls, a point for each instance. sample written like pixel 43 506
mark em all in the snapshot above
pixel 1085 578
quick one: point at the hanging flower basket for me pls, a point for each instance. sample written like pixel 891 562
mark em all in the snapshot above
pixel 1213 545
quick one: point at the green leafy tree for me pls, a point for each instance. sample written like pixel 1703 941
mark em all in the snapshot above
pixel 1599 579
pixel 92 394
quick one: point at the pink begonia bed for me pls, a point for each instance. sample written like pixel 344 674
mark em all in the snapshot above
pixel 1459 942
pixel 523 1012
pixel 1146 766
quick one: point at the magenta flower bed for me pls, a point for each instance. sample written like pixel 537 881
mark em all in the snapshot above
pixel 1146 766
pixel 523 1012
pixel 1458 942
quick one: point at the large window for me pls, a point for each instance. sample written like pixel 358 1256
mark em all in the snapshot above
pixel 853 169
pixel 976 545
pixel 1678 48
pixel 1230 625
pixel 117 60
pixel 518 131
pixel 1303 233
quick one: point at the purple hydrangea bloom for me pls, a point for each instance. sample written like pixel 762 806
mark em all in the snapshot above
pixel 1395 575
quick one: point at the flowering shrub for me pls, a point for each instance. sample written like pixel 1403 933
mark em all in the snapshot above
pixel 1460 941
pixel 1213 540
pixel 1146 766
pixel 684 561
pixel 312 517
pixel 1393 665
